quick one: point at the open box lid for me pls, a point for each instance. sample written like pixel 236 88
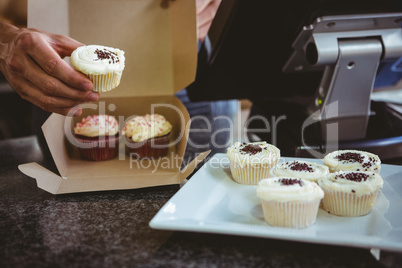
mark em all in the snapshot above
pixel 159 38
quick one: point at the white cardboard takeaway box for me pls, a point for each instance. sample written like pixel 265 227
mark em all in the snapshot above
pixel 160 44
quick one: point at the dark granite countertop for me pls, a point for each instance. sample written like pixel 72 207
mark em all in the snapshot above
pixel 110 229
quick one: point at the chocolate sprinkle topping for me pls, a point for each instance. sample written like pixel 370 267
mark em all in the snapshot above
pixel 107 55
pixel 351 157
pixel 251 149
pixel 297 166
pixel 357 177
pixel 290 181
pixel 367 165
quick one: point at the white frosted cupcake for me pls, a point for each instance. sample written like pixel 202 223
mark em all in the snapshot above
pixel 251 162
pixel 289 202
pixel 103 65
pixel 350 193
pixel 352 160
pixel 147 136
pixel 300 169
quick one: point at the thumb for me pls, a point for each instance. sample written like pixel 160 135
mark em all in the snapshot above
pixel 64 45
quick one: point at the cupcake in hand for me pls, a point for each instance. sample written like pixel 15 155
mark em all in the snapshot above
pixel 352 160
pixel 289 202
pixel 148 136
pixel 103 65
pixel 98 137
pixel 350 193
pixel 251 162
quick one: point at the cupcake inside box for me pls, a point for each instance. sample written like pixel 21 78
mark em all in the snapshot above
pixel 123 109
pixel 77 175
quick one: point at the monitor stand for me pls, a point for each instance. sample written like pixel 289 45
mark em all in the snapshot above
pixel 349 49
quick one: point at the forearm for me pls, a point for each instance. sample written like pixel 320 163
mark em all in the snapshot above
pixel 7 35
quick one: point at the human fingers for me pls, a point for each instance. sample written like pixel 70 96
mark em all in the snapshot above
pixel 165 3
pixel 48 103
pixel 62 44
pixel 52 86
pixel 206 10
pixel 23 67
pixel 38 46
pixel 202 32
pixel 202 4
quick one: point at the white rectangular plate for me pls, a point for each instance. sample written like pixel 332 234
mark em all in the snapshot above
pixel 212 202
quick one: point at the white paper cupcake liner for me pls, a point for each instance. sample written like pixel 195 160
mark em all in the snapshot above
pixel 348 204
pixel 250 174
pixel 290 214
pixel 106 82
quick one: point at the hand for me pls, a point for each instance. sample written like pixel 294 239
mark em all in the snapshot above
pixel 31 61
pixel 206 10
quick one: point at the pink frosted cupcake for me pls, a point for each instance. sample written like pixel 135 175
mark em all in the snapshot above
pixel 98 137
pixel 148 136
pixel 289 202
